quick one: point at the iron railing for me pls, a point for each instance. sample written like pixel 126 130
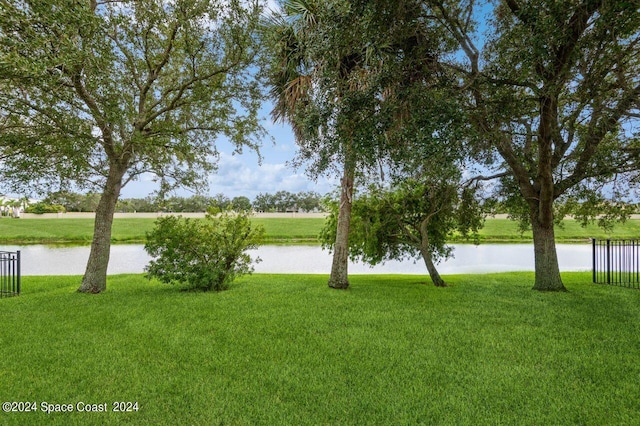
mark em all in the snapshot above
pixel 617 262
pixel 9 273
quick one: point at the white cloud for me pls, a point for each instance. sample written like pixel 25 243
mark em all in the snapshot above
pixel 235 177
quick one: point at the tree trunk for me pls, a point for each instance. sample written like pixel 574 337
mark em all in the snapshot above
pixel 546 258
pixel 431 267
pixel 339 268
pixel 95 276
pixel 427 255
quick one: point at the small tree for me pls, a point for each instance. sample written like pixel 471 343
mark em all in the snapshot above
pixel 308 201
pixel 264 203
pixel 207 254
pixel 412 220
pixel 241 204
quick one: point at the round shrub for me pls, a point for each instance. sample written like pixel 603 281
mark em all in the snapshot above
pixel 208 254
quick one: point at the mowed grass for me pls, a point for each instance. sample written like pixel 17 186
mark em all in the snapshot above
pixel 133 230
pixel 569 230
pixel 287 350
pixel 278 230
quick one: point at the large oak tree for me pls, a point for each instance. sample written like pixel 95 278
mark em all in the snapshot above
pixel 97 93
pixel 555 92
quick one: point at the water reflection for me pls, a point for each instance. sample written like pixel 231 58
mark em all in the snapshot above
pixel 47 260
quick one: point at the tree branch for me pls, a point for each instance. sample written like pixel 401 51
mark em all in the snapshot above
pixel 90 102
pixel 175 102
pixel 598 129
pixel 154 73
pixel 479 178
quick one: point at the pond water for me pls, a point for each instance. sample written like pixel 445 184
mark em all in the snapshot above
pixel 485 258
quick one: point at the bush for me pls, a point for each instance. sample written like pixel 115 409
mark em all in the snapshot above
pixel 42 208
pixel 208 254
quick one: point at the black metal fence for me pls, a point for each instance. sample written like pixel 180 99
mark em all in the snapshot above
pixel 616 262
pixel 9 273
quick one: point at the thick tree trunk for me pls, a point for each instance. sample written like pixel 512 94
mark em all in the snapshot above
pixel 431 267
pixel 95 276
pixel 339 268
pixel 546 258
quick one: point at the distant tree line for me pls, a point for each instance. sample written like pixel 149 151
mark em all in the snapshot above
pixel 281 201
pixel 278 202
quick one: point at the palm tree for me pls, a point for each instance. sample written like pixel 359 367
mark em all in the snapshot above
pixel 4 204
pixel 346 76
pixel 301 77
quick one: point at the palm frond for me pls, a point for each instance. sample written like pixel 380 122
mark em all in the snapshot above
pixel 306 10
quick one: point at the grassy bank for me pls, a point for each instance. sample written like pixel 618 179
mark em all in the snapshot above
pixel 284 230
pixel 570 231
pixel 279 350
pixel 133 230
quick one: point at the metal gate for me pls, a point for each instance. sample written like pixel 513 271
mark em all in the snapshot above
pixel 616 262
pixel 9 273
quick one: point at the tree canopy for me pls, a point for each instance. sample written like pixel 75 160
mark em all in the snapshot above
pixel 340 75
pixel 555 92
pixel 99 93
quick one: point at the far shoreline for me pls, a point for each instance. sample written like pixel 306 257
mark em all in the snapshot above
pixel 199 215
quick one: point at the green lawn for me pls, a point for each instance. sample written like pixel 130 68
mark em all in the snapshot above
pixel 287 350
pixel 570 230
pixel 286 230
pixel 133 230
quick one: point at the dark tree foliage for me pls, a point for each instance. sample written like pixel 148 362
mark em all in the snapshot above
pixel 337 71
pixel 555 93
pixel 283 201
pixel 411 220
pixel 241 204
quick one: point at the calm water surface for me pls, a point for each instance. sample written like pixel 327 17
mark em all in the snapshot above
pixel 485 258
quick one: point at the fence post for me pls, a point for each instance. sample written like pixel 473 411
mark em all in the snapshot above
pixel 608 261
pixel 593 258
pixel 19 269
pixel 10 274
